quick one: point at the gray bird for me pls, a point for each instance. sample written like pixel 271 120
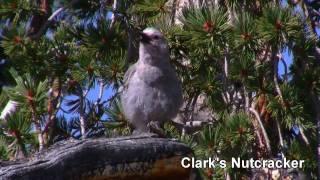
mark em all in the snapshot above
pixel 152 92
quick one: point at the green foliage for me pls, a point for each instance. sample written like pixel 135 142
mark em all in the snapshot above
pixel 112 68
pixel 14 42
pixel 150 8
pixel 28 93
pixel 100 39
pixel 278 26
pixel 207 28
pixel 116 123
pixel 299 151
pixel 16 137
pixel 231 138
pixel 245 32
pixel 16 10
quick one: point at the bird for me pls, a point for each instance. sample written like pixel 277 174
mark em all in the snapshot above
pixel 152 91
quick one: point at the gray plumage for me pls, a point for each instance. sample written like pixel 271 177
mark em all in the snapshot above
pixel 152 92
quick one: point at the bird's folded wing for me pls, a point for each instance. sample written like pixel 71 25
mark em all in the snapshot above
pixel 128 75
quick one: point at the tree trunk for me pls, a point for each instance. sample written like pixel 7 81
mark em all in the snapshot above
pixel 133 157
pixel 39 19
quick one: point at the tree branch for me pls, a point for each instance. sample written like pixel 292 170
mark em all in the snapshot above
pixel 114 11
pixel 278 90
pixel 264 132
pixel 45 26
pixel 10 108
pixel 133 157
pixel 285 69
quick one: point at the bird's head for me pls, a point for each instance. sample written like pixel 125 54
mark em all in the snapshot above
pixel 153 44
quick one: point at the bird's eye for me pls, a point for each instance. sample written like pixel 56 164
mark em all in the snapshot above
pixel 156 37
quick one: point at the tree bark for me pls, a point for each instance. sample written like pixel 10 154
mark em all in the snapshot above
pixel 133 157
pixel 38 19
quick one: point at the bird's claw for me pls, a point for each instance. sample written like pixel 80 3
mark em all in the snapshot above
pixel 155 128
pixel 144 134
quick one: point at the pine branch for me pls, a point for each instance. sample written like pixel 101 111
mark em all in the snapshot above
pixel 279 134
pixel 303 136
pixel 38 19
pixel 285 69
pixel 226 76
pixel 275 61
pixel 264 132
pixel 36 122
pixel 82 117
pixel 224 97
pixel 278 90
pixel 10 108
pixel 49 21
pixel 53 104
pixel 114 13
pixel 101 88
pixel 246 98
pixel 173 11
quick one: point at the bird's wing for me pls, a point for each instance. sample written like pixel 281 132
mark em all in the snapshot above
pixel 128 75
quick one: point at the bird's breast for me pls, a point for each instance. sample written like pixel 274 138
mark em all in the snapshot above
pixel 154 90
pixel 150 74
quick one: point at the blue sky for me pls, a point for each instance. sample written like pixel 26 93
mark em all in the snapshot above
pixel 288 58
pixel 92 96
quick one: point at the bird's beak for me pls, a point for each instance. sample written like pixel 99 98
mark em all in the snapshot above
pixel 144 38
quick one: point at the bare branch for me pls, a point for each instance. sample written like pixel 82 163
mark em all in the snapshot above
pixel 101 87
pixel 45 26
pixel 277 86
pixel 114 11
pixel 246 98
pixel 173 11
pixel 303 136
pixel 10 108
pixel 285 69
pixel 82 117
pixel 275 79
pixel 279 133
pixel 37 126
pixel 264 132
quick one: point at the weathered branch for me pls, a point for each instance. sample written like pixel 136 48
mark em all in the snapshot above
pixel 49 21
pixel 264 132
pixel 279 133
pixel 285 69
pixel 101 88
pixel 82 117
pixel 10 108
pixel 246 98
pixel 38 19
pixel 275 78
pixel 114 13
pixel 303 136
pixel 173 12
pixel 55 100
pixel 278 90
pixel 37 126
pixel 137 157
